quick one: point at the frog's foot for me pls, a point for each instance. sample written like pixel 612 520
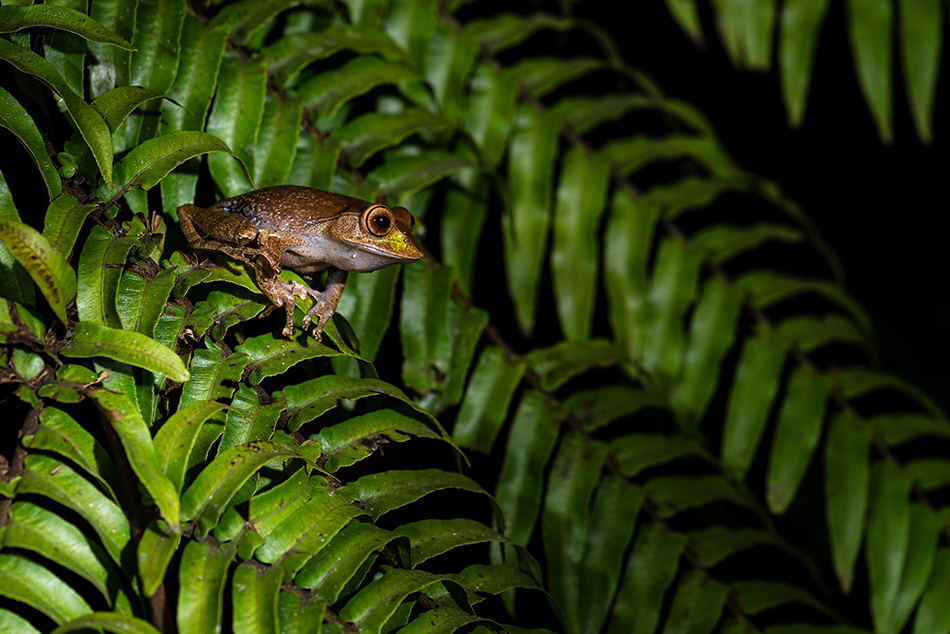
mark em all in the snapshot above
pixel 280 293
pixel 323 309
pixel 324 304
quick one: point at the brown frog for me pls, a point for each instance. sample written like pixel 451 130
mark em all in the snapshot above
pixel 305 230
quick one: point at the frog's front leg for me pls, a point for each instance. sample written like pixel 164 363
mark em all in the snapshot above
pixel 282 293
pixel 324 304
pixel 272 246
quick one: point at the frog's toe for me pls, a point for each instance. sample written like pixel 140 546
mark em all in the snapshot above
pixel 318 315
pixel 308 318
pixel 301 291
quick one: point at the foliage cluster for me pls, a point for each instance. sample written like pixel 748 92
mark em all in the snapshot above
pixel 879 32
pixel 687 435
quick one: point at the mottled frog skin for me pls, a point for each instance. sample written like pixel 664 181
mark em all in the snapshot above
pixel 305 230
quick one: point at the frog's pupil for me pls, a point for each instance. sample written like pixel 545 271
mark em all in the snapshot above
pixel 382 222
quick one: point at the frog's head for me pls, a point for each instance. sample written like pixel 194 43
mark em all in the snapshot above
pixel 375 236
pixel 388 232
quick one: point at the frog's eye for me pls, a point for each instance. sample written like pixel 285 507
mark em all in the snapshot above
pixel 379 220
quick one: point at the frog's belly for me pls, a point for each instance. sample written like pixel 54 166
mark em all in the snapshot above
pixel 346 258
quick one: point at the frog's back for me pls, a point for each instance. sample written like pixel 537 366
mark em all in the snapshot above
pixel 290 207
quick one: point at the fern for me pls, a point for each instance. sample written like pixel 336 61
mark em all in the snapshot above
pixel 747 30
pixel 654 399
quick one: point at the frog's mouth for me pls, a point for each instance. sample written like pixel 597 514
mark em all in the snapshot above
pixel 396 246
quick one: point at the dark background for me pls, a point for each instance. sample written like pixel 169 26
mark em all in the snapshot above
pixel 879 207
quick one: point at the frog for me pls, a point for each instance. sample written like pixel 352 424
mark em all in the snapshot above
pixel 307 231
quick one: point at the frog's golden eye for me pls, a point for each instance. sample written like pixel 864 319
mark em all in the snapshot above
pixel 379 220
